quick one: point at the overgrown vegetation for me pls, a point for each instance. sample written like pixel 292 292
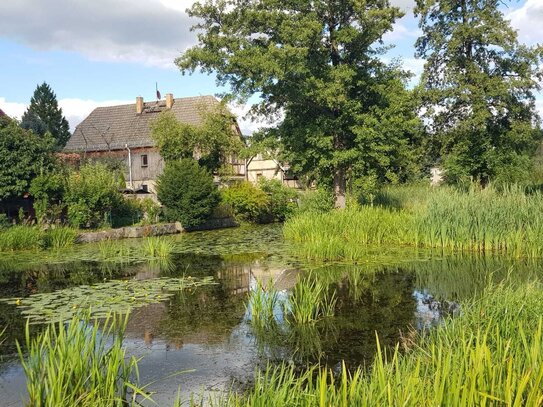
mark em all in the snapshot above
pixel 81 362
pixel 479 220
pixel 22 237
pixel 491 354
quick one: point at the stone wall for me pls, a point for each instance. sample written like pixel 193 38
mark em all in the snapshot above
pixel 162 229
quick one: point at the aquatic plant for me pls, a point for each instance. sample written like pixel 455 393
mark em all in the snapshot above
pixel 310 301
pixel 262 304
pixel 114 250
pixel 158 247
pixel 490 355
pixel 484 221
pixel 81 362
pixel 21 238
pixel 60 237
pixel 119 296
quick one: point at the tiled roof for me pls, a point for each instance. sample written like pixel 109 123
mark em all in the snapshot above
pixel 113 127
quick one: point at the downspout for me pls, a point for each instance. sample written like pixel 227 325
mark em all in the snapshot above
pixel 129 167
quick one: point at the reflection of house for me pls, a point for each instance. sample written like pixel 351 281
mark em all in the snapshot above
pixel 269 168
pixel 123 133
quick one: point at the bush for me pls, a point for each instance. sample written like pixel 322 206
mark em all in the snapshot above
pixel 151 210
pixel 319 201
pixel 282 198
pixel 91 194
pixel 48 190
pixel 248 202
pixel 187 192
pixel 127 212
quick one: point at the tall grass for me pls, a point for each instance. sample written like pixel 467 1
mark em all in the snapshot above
pixel 310 301
pixel 262 303
pixel 21 238
pixel 490 355
pixel 158 247
pixel 80 364
pixel 484 221
pixel 60 237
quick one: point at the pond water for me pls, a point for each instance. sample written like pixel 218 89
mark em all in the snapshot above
pixel 201 341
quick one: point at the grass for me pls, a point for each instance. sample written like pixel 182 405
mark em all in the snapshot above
pixel 262 303
pixel 310 301
pixel 80 364
pixel 32 238
pixel 483 221
pixel 490 355
pixel 158 247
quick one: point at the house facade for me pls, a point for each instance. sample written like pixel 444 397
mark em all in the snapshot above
pixel 122 133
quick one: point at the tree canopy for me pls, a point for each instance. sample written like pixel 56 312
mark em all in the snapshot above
pixel 212 142
pixel 43 115
pixel 24 155
pixel 478 89
pixel 317 65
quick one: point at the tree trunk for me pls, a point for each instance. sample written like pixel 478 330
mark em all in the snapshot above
pixel 339 188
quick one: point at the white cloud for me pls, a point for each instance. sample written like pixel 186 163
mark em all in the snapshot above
pixel 152 32
pixel 528 20
pixel 400 31
pixel 12 109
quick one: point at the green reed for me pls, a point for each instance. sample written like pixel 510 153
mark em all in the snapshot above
pixel 21 238
pixel 81 363
pixel 310 301
pixel 490 355
pixel 60 237
pixel 483 221
pixel 158 247
pixel 262 303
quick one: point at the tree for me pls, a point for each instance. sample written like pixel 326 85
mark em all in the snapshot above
pixel 212 141
pixel 478 85
pixel 43 115
pixel 187 192
pixel 24 155
pixel 316 64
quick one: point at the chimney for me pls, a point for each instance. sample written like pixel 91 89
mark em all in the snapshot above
pixel 169 100
pixel 139 105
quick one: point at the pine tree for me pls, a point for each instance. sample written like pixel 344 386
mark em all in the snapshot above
pixel 43 115
pixel 478 89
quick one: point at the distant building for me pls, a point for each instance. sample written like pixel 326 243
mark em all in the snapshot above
pixel 123 132
pixel 270 168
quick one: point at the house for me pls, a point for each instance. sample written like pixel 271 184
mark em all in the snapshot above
pixel 123 132
pixel 259 167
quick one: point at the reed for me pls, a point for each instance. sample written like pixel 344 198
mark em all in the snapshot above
pixel 158 247
pixel 60 237
pixel 21 238
pixel 262 305
pixel 112 250
pixel 310 301
pixel 80 364
pixel 483 221
pixel 490 355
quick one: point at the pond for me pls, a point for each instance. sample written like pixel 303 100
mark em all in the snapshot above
pixel 200 341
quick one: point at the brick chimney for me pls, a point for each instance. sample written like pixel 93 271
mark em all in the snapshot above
pixel 139 105
pixel 169 100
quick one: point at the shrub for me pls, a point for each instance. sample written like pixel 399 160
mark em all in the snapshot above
pixel 248 202
pixel 187 192
pixel 319 201
pixel 126 212
pixel 48 190
pixel 151 210
pixel 91 194
pixel 282 198
pixel 4 221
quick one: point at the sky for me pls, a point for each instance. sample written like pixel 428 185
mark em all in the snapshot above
pixel 107 52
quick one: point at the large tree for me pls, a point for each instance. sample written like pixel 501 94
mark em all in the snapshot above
pixel 24 155
pixel 316 64
pixel 43 115
pixel 478 89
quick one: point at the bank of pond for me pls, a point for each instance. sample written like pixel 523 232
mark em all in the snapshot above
pixel 257 316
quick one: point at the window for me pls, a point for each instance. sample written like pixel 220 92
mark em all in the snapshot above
pixel 144 187
pixel 144 162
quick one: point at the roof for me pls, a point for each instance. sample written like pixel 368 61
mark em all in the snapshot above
pixel 2 113
pixel 114 127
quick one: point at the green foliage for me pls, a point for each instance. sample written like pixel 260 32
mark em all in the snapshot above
pixel 59 237
pixel 489 355
pixel 23 237
pixel 92 192
pixel 126 212
pixel 320 200
pixel 158 247
pixel 187 192
pixel 248 202
pixel 283 200
pixel 4 221
pixel 81 363
pixel 24 156
pixel 480 220
pixel 478 90
pixel 213 141
pixel 310 301
pixel 151 210
pixel 44 116
pixel 48 190
pixel 318 64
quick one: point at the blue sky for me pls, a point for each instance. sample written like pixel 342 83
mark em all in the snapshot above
pixel 106 52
